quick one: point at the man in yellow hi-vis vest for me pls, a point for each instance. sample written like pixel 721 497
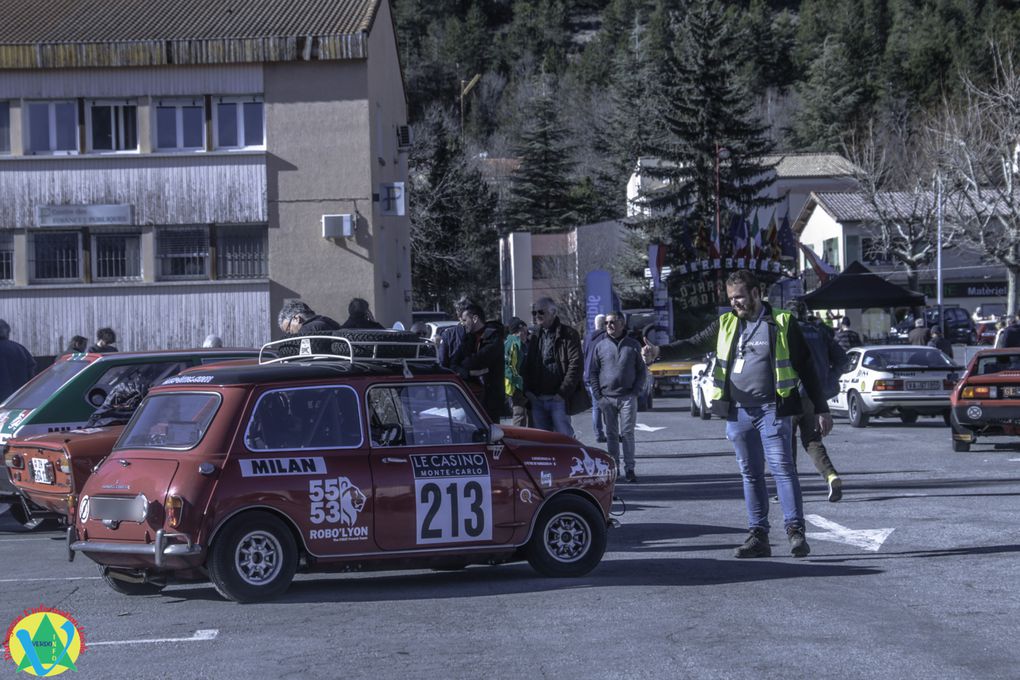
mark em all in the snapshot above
pixel 760 358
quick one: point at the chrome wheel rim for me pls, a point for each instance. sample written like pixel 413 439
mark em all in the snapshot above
pixel 258 558
pixel 567 537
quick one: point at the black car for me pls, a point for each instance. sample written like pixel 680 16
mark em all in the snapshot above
pixel 959 327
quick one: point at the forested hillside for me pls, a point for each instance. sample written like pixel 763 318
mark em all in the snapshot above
pixel 578 89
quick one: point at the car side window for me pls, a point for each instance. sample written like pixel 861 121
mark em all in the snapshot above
pixel 853 359
pixel 422 415
pixel 305 418
pixel 149 374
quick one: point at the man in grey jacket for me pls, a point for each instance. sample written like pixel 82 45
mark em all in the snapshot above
pixel 618 374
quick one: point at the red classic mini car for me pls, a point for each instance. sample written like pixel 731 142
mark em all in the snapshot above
pixel 986 401
pixel 326 461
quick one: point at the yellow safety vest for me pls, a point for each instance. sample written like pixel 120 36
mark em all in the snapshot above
pixel 786 378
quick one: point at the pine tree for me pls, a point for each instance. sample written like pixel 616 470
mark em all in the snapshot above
pixel 540 187
pixel 454 240
pixel 830 101
pixel 713 153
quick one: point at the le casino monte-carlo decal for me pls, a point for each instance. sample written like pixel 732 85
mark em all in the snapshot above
pixel 44 642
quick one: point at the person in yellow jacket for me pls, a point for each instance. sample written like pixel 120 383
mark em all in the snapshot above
pixel 761 356
pixel 513 354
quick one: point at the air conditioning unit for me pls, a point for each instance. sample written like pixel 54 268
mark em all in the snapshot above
pixel 405 137
pixel 337 226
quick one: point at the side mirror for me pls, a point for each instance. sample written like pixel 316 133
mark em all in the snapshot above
pixel 495 434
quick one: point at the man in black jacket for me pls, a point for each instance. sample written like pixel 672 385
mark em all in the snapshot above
pixel 760 357
pixel 553 369
pixel 297 318
pixel 479 358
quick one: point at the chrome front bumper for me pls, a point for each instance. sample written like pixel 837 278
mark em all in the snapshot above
pixel 158 549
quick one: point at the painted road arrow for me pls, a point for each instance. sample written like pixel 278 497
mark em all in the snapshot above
pixel 641 427
pixel 868 539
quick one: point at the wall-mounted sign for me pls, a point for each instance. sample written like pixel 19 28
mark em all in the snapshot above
pixel 82 215
pixel 392 198
pixel 967 289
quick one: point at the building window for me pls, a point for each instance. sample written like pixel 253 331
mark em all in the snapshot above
pixel 180 125
pixel 183 253
pixel 242 252
pixel 52 127
pixel 112 126
pixel 238 124
pixel 830 253
pixel 54 256
pixel 116 256
pixel 6 258
pixel 5 127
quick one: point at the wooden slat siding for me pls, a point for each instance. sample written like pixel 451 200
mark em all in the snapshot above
pixel 161 316
pixel 125 83
pixel 162 53
pixel 181 189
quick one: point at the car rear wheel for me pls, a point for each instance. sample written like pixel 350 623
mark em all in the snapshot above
pixel 569 538
pixel 706 414
pixel 129 587
pixel 855 410
pixel 695 407
pixel 961 447
pixel 253 559
pixel 947 418
pixel 908 417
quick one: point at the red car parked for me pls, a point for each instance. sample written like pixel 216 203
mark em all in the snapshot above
pixel 321 461
pixel 986 401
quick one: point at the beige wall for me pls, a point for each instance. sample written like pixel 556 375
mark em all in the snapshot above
pixel 318 152
pixel 388 110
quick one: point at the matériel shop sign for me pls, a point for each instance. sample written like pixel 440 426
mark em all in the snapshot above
pixel 82 215
pixel 967 289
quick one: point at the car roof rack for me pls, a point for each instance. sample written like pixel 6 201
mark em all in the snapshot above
pixel 338 348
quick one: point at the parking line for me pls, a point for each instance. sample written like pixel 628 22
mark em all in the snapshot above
pixel 198 636
pixel 55 578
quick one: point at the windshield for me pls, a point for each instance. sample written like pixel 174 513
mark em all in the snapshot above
pixel 908 357
pixel 45 385
pixel 996 363
pixel 170 421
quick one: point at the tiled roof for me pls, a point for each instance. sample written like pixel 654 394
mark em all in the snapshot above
pixel 126 32
pixel 855 207
pixel 810 165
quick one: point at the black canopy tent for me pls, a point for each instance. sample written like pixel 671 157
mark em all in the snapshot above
pixel 858 288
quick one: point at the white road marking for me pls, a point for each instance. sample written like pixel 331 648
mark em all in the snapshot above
pixel 198 636
pixel 54 578
pixel 1014 460
pixel 867 539
pixel 641 427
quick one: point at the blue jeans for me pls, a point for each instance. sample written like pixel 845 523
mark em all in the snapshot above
pixel 621 416
pixel 596 416
pixel 758 435
pixel 549 413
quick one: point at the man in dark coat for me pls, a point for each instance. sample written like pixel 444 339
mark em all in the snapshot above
pixel 479 358
pixel 16 363
pixel 553 369
pixel 105 337
pixel 599 333
pixel 297 318
pixel 846 336
pixel 919 335
pixel 360 316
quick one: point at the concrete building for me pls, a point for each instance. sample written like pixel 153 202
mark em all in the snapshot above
pixel 167 168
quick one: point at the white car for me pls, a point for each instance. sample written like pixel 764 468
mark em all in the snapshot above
pixel 701 388
pixel 904 381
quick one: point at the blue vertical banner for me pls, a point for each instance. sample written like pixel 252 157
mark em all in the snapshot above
pixel 660 293
pixel 598 291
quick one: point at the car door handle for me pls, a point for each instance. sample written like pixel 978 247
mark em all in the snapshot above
pixel 394 460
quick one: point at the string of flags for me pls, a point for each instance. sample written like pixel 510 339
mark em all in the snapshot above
pixel 744 245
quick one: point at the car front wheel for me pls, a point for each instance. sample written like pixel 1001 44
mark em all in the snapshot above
pixel 253 559
pixel 695 408
pixel 706 413
pixel 855 408
pixel 569 538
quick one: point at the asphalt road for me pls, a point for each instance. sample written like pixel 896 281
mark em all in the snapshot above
pixel 912 575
